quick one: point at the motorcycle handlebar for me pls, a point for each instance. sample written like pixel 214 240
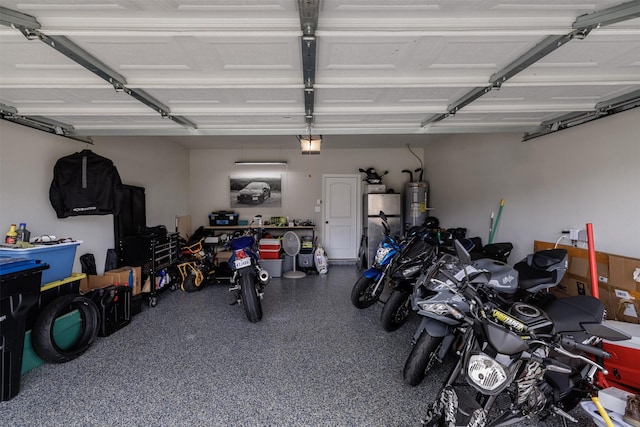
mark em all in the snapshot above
pixel 570 344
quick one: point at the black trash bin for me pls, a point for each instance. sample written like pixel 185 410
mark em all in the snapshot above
pixel 19 291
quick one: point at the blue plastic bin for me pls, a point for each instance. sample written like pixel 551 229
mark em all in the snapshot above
pixel 59 256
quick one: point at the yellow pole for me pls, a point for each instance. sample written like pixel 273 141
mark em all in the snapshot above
pixel 603 412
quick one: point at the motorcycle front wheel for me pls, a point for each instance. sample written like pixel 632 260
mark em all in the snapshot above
pixel 362 295
pixel 250 298
pixel 395 311
pixel 421 359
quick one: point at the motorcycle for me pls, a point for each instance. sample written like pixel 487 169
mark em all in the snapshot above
pixel 196 264
pixel 443 311
pixel 415 259
pixel 520 362
pixel 248 278
pixel 420 251
pixel 370 285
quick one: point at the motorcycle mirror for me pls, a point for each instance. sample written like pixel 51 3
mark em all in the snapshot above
pixel 383 216
pixel 463 255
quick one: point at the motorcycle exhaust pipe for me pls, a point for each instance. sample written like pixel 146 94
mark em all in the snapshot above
pixel 263 276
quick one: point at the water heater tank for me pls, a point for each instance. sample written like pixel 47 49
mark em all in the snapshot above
pixel 415 206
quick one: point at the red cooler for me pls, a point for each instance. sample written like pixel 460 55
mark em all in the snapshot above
pixel 269 248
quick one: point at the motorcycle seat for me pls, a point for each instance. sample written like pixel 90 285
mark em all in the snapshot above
pixel 530 277
pixel 568 314
pixel 541 268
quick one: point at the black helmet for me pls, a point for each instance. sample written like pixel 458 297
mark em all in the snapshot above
pixel 431 222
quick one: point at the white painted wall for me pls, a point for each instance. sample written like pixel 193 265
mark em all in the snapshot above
pixel 586 174
pixel 27 158
pixel 301 179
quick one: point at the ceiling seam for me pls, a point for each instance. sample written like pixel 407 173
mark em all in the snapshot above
pixel 583 25
pixel 30 28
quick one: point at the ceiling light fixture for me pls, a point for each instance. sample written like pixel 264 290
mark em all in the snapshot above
pixel 261 163
pixel 310 144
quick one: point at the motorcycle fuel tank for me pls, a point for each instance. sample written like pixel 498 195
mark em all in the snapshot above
pixel 504 278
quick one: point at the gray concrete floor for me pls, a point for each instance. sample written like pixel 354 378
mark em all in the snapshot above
pixel 195 360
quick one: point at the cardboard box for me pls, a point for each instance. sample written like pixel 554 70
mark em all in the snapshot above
pixel 622 273
pixel 223 256
pixel 618 281
pixel 577 281
pixel 127 275
pixel 628 310
pixel 625 292
pixel 92 282
pixel 120 275
pixel 579 267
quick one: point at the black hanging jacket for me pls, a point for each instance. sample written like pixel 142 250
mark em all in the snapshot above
pixel 84 183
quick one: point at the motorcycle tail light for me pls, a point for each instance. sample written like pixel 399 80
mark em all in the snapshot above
pixel 486 374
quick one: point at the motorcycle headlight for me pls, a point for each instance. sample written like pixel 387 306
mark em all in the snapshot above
pixel 441 309
pixel 410 272
pixel 486 374
pixel 381 253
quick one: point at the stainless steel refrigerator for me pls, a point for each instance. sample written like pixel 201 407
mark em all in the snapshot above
pixel 391 205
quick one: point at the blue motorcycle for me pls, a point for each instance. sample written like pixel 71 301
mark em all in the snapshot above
pixel 369 287
pixel 248 279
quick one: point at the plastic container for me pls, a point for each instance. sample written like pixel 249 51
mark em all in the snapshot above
pixel 11 238
pixel 51 291
pixel 269 248
pixel 305 260
pixel 59 256
pixel 273 266
pixel 19 291
pixel 223 218
pixel 23 234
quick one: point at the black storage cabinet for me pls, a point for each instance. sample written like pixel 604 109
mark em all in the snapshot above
pixel 154 253
pixel 151 248
pixel 19 292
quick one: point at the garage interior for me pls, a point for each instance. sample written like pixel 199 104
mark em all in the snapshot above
pixel 529 103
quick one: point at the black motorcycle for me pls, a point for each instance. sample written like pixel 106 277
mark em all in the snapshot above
pixel 520 362
pixel 436 298
pixel 417 254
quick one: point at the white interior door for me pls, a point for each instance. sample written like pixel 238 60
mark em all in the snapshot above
pixel 341 215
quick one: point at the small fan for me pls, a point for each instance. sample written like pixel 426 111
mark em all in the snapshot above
pixel 291 246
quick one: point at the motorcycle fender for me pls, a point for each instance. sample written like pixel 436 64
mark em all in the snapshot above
pixel 437 329
pixel 372 273
pixel 246 270
pixel 433 328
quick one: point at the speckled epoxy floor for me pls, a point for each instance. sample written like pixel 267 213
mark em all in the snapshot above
pixel 195 360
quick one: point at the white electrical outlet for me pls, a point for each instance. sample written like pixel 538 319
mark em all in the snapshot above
pixel 578 234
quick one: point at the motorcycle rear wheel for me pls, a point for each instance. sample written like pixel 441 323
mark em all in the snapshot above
pixel 395 311
pixel 362 295
pixel 250 298
pixel 421 359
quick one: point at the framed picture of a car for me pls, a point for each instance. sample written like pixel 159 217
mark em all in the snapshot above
pixel 259 189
